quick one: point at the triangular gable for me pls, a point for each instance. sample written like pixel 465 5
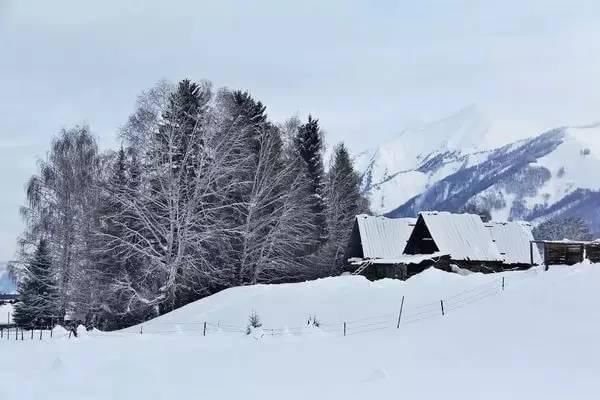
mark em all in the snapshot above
pixel 420 240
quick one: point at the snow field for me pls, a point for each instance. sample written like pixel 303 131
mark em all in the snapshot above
pixel 6 313
pixel 537 339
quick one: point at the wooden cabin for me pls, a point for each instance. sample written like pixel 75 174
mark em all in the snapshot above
pixel 376 248
pixel 383 247
pixel 463 237
pixel 6 298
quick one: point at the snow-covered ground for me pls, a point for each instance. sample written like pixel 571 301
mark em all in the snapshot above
pixel 6 313
pixel 537 339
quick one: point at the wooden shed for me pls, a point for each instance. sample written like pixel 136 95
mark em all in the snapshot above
pixel 567 252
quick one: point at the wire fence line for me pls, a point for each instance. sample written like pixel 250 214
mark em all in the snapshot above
pixel 409 314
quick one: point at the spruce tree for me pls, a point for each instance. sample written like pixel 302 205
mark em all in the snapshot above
pixel 177 157
pixel 250 116
pixel 309 144
pixel 344 202
pixel 37 291
pixel 180 138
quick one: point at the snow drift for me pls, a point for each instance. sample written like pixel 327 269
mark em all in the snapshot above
pixel 534 340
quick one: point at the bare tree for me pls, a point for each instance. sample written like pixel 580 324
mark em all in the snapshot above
pixel 61 205
pixel 278 221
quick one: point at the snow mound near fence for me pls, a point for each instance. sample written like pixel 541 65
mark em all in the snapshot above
pixel 331 300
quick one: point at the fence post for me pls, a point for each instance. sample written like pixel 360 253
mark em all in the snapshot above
pixel 32 333
pixel 141 329
pixel 70 332
pixel 400 313
pixel 344 328
pixel 502 283
pixel 51 329
pixel 22 334
pixel 41 334
pixel 442 304
pixel 204 330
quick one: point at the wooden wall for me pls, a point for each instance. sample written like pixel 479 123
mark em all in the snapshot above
pixel 563 253
pixel 592 252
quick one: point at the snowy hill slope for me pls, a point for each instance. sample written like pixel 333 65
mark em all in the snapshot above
pixel 557 172
pixel 535 340
pixel 331 300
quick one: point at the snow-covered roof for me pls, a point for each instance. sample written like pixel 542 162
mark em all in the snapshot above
pixel 383 237
pixel 462 236
pixel 512 241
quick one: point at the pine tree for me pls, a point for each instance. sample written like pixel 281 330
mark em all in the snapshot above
pixel 250 116
pixel 177 159
pixel 344 202
pixel 37 304
pixel 309 144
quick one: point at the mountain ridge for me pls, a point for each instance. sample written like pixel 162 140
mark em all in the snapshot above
pixel 554 173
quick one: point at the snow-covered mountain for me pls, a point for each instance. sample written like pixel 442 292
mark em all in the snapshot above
pixel 7 281
pixel 445 165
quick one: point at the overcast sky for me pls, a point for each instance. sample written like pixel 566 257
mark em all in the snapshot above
pixel 366 69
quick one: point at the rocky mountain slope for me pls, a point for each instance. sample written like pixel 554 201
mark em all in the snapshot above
pixel 445 166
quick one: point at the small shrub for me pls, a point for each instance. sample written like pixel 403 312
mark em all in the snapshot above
pixel 585 152
pixel 253 322
pixel 313 321
pixel 561 172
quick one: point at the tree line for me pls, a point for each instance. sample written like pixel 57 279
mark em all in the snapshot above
pixel 205 193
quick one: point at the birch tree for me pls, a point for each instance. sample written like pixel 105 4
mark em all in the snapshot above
pixel 61 208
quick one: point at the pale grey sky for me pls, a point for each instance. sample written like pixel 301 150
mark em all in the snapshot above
pixel 366 69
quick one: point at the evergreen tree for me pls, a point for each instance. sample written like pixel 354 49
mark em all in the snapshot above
pixel 344 202
pixel 37 305
pixel 180 129
pixel 309 145
pixel 177 159
pixel 249 116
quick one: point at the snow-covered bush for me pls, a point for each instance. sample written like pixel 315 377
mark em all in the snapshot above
pixel 313 321
pixel 253 323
